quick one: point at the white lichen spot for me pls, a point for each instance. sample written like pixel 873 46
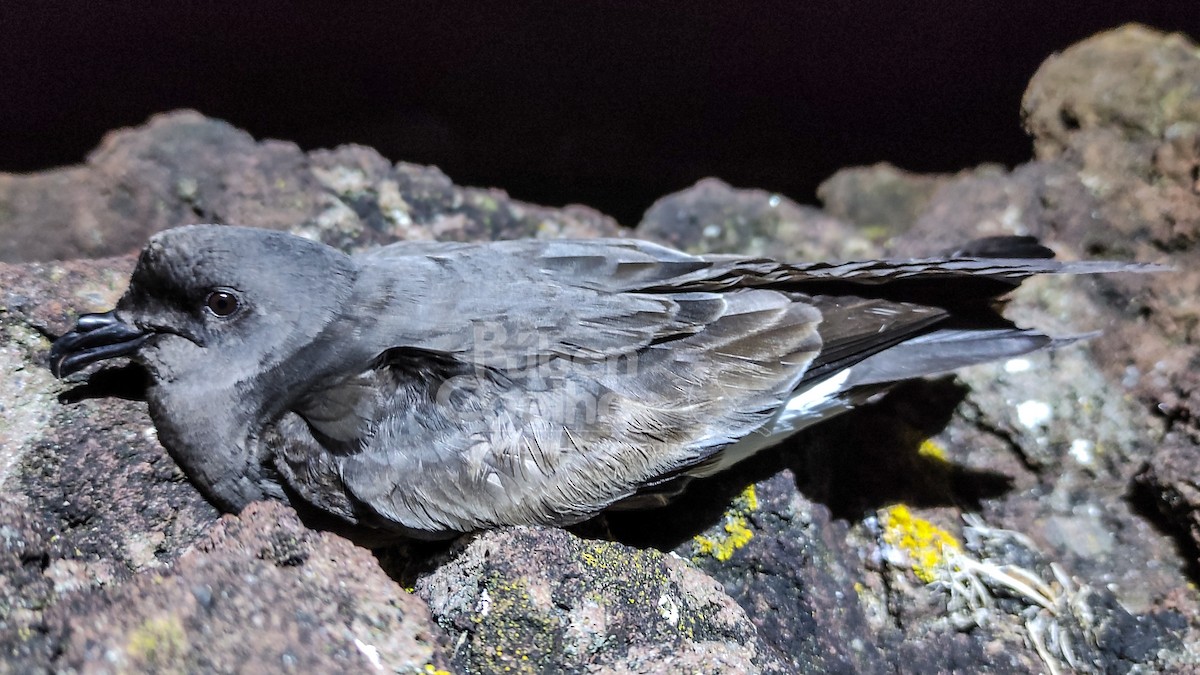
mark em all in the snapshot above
pixel 1017 365
pixel 338 217
pixel 1011 219
pixel 1032 414
pixel 141 549
pixel 187 189
pixel 1095 183
pixel 342 180
pixel 668 609
pixel 1130 379
pixel 74 575
pixel 1082 451
pixel 712 231
pixel 371 652
pixel 392 204
pixel 484 606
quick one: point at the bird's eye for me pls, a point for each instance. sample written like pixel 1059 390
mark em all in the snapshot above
pixel 222 303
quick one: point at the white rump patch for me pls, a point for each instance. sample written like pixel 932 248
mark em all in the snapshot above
pixel 806 408
pixel 819 396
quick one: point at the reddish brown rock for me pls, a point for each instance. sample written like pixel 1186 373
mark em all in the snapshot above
pixel 1132 81
pixel 1119 115
pixel 89 498
pixel 1171 480
pixel 179 168
pixel 260 593
pixel 183 168
pixel 1116 125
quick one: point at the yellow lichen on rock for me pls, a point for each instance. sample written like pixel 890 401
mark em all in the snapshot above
pixel 923 543
pixel 158 643
pixel 932 450
pixel 737 532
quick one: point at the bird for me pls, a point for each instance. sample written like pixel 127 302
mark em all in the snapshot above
pixel 429 389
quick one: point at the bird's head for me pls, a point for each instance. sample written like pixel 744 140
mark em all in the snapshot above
pixel 214 304
pixel 227 320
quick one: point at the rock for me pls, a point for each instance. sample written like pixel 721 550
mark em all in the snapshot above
pixel 881 200
pixel 1127 181
pixel 260 593
pixel 538 600
pixel 179 168
pixel 783 555
pixel 89 499
pixel 183 168
pixel 1072 429
pixel 1133 81
pixel 1114 120
pixel 987 201
pixel 1171 481
pixel 713 217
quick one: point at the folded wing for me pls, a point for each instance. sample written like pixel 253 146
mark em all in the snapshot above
pixel 542 381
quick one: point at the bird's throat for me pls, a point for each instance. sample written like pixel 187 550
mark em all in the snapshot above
pixel 212 442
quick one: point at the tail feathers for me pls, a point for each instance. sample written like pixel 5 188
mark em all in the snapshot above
pixel 942 351
pixel 933 353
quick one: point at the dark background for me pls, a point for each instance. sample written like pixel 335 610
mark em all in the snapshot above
pixel 611 104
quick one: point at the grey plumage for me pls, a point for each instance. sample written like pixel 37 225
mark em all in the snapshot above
pixel 427 389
